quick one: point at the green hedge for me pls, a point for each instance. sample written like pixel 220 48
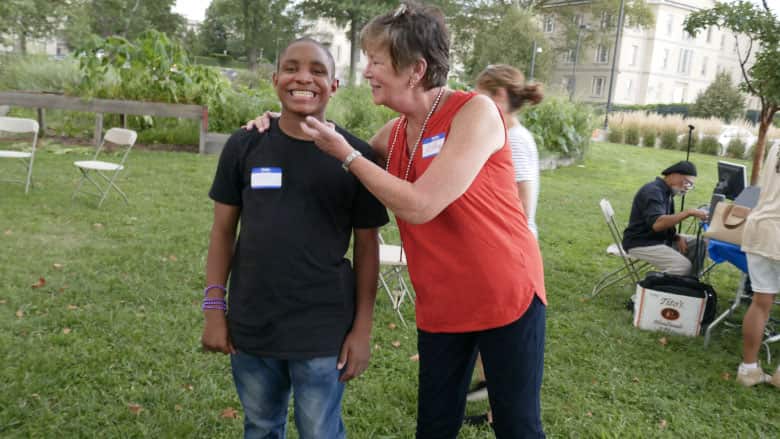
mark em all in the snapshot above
pixel 560 126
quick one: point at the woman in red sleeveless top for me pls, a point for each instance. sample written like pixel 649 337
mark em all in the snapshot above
pixel 474 263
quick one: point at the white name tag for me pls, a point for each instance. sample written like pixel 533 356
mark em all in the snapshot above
pixel 266 178
pixel 432 145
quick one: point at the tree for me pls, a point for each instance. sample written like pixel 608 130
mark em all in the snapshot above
pixel 128 19
pixel 351 13
pixel 252 28
pixel 762 31
pixel 489 39
pixel 721 99
pixel 26 19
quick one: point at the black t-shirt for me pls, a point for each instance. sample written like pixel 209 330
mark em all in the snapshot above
pixel 651 201
pixel 292 291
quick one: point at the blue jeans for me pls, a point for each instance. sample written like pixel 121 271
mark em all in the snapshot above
pixel 513 356
pixel 264 386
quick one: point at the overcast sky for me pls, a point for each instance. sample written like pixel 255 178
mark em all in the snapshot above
pixel 196 9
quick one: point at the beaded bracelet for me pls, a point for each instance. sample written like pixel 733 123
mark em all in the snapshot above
pixel 215 286
pixel 214 303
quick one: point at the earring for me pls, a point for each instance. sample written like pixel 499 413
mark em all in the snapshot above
pixel 412 82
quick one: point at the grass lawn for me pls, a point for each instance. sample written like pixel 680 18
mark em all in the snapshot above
pixel 109 345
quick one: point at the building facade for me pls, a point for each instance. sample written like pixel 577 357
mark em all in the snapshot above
pixel 660 63
pixel 336 39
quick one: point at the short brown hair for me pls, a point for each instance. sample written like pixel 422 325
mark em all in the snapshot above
pixel 411 32
pixel 496 76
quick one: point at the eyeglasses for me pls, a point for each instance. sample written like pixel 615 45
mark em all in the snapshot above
pixel 688 184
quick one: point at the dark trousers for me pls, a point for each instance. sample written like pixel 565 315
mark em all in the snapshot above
pixel 513 356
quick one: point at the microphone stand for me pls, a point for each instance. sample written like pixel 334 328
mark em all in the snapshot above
pixel 687 159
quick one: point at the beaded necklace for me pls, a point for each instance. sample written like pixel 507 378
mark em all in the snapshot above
pixel 405 123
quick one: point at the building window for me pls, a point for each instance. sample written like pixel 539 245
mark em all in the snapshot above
pixel 669 24
pixel 666 59
pixel 597 88
pixel 629 88
pixel 569 56
pixel 684 61
pixel 602 54
pixel 549 24
pixel 704 66
pixel 709 34
pixel 634 54
pixel 605 19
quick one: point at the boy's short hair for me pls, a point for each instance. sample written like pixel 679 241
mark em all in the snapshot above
pixel 331 61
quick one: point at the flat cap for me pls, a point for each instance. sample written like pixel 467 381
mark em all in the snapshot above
pixel 683 167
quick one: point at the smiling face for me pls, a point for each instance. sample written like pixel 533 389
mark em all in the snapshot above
pixel 386 83
pixel 304 79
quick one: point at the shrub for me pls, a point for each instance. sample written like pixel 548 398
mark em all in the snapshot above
pixel 668 138
pixel 615 134
pixel 351 107
pixel 649 135
pixel 560 126
pixel 709 145
pixel 38 73
pixel 682 142
pixel 632 135
pixel 736 148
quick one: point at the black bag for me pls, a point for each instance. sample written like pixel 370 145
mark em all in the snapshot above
pixel 684 286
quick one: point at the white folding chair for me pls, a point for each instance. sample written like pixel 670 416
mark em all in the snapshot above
pixel 108 171
pixel 392 261
pixel 631 268
pixel 26 158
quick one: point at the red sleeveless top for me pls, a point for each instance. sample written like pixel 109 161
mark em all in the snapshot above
pixel 476 265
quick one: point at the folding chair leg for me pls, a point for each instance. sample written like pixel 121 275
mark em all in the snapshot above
pixel 29 175
pixel 395 302
pixel 609 279
pixel 110 184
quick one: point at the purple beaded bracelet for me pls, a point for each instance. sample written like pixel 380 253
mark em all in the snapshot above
pixel 211 287
pixel 214 303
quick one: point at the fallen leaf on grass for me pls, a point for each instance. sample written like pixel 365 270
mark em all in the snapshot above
pixel 376 346
pixel 725 376
pixel 177 407
pixel 391 325
pixel 187 387
pixel 8 232
pixel 589 414
pixel 229 413
pixel 35 395
pixel 664 341
pixel 583 299
pixel 66 331
pixel 19 314
pixel 635 379
pixel 97 225
pixel 2 302
pixel 72 307
pixel 173 258
pixel 41 282
pixel 396 344
pixel 662 424
pixel 415 357
pixel 135 408
pixel 57 266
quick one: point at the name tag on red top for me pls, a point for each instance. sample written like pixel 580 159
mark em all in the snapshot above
pixel 432 145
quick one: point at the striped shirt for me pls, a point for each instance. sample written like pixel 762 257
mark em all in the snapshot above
pixel 525 158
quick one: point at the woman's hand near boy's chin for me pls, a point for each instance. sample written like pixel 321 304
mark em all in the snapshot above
pixel 263 122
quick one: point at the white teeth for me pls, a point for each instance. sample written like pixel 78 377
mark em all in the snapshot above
pixel 303 93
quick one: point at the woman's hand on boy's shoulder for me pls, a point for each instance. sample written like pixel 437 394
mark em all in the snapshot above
pixel 261 123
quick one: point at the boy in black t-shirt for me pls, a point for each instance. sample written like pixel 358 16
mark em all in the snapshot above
pixel 300 316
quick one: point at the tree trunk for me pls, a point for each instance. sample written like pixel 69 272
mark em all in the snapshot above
pixel 22 43
pixel 354 48
pixel 767 114
pixel 251 57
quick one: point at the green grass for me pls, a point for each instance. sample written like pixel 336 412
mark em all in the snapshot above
pixel 129 284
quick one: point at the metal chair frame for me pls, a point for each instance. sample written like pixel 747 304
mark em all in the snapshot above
pixel 392 261
pixel 108 171
pixel 632 268
pixel 18 125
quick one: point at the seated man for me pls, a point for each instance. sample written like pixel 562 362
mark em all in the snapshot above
pixel 651 235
